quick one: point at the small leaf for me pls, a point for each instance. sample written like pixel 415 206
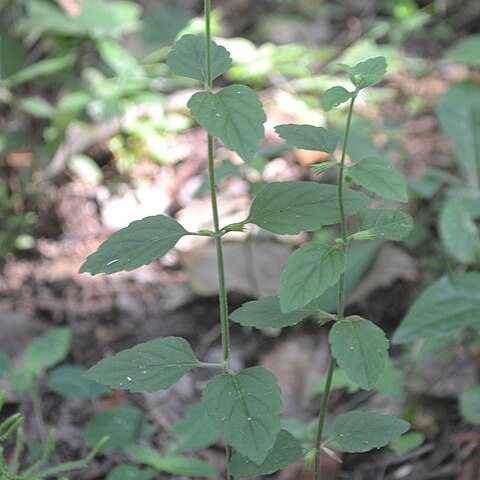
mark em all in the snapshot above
pixel 148 367
pixel 470 404
pixel 69 380
pixel 363 431
pixel 335 96
pixel 266 313
pixel 446 307
pixel 234 115
pixel 319 168
pixel 361 349
pixel 380 177
pixel 408 442
pixel 188 58
pixel 142 242
pixel 465 51
pixel 286 450
pixel 245 408
pixel 129 472
pixel 385 223
pixel 195 431
pixel 48 350
pixel 367 73
pixel 340 380
pixel 294 207
pixel 123 426
pixel 22 380
pixel 308 137
pixel 309 272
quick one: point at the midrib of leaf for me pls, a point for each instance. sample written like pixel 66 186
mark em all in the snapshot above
pixel 473 180
pixel 355 335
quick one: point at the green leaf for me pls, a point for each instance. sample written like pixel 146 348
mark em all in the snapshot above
pixel 408 442
pixel 234 115
pixel 465 51
pixel 142 242
pixel 123 426
pixel 37 107
pixel 380 177
pixel 148 367
pixel 294 207
pixel 340 381
pixel 391 384
pixel 310 270
pixel 266 313
pixel 361 349
pixel 48 349
pixel 12 54
pixel 119 59
pixel 470 404
pixel 308 137
pixel 176 465
pixel 22 380
pixel 319 168
pixel 195 431
pixel 367 73
pixel 363 431
pixel 245 408
pixel 285 451
pixel 446 307
pixel 188 58
pixel 69 380
pixel 459 115
pixel 385 223
pixel 458 229
pixel 129 472
pixel 4 364
pixel 335 96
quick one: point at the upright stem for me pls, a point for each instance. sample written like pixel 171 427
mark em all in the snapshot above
pixel 222 295
pixel 317 475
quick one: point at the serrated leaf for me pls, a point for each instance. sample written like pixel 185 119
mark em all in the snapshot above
pixel 266 313
pixel 148 367
pixel 310 270
pixel 308 137
pixel 245 408
pixel 385 223
pixel 129 472
pixel 234 115
pixel 123 426
pixel 446 307
pixel 286 450
pixel 195 431
pixel 142 242
pixel 361 349
pixel 48 349
pixel 188 58
pixel 367 73
pixel 294 207
pixel 69 380
pixel 363 431
pixel 335 96
pixel 380 177
pixel 470 405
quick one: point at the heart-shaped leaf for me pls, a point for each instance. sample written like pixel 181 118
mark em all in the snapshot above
pixel 361 349
pixel 380 177
pixel 294 207
pixel 308 137
pixel 364 431
pixel 142 242
pixel 367 73
pixel 245 408
pixel 309 272
pixel 148 367
pixel 446 307
pixel 234 115
pixel 335 96
pixel 286 450
pixel 385 223
pixel 188 58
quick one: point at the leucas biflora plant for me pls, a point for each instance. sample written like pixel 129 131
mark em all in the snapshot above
pixel 245 406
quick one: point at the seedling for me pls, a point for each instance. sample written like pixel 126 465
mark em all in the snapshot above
pixel 245 406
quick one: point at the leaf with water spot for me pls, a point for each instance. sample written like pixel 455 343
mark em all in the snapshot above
pixel 245 408
pixel 148 367
pixel 361 349
pixel 142 242
pixel 363 431
pixel 385 223
pixel 234 115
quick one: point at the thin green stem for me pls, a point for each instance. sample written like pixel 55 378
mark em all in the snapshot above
pixel 317 474
pixel 222 295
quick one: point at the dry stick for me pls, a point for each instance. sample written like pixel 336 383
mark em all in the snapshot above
pixel 341 298
pixel 222 295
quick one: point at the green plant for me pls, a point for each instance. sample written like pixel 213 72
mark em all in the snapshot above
pixel 245 406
